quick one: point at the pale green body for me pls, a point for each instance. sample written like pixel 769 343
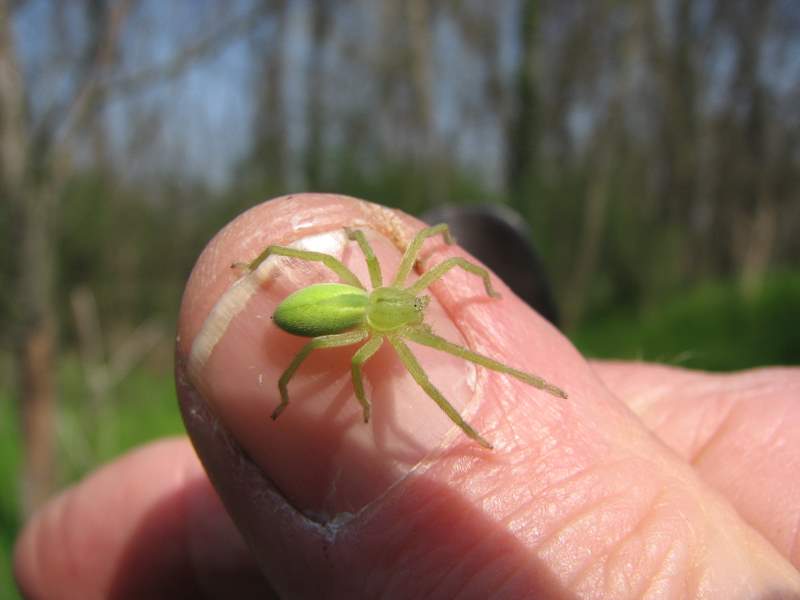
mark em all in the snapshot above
pixel 343 314
pixel 322 309
pixel 328 308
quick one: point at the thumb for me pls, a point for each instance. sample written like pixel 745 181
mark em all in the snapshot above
pixel 576 497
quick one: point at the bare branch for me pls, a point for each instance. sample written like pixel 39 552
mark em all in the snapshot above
pixel 202 48
pixel 13 134
pixel 98 84
pixel 103 57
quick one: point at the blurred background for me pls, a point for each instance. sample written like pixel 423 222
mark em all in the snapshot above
pixel 652 149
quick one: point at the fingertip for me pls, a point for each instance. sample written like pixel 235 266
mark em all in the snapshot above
pixel 322 433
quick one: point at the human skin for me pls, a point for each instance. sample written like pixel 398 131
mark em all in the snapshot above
pixel 647 481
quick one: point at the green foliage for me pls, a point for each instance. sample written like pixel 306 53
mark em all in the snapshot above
pixel 9 249
pixel 10 457
pixel 712 327
pixel 113 238
pixel 141 408
pixel 409 185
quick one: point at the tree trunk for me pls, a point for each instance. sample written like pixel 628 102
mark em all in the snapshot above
pixel 268 157
pixel 523 128
pixel 36 346
pixel 418 23
pixel 320 27
pixel 36 332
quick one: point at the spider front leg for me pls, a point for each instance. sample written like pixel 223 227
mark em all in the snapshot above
pixel 419 375
pixel 439 270
pixel 324 341
pixel 335 265
pixel 372 263
pixel 410 255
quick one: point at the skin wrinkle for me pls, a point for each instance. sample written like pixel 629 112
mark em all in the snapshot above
pixel 510 579
pixel 402 559
pixel 640 533
pixel 427 507
pixel 576 524
pixel 544 501
pixel 443 581
pixel 483 569
pixel 519 563
pixel 572 481
pixel 474 575
pixel 503 501
pixel 522 509
pixel 536 498
pixel 718 434
pixel 463 553
pixel 457 566
pixel 550 543
pixel 696 557
pixel 517 439
pixel 660 578
pixel 702 432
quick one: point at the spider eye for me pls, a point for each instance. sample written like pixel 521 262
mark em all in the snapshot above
pixel 421 302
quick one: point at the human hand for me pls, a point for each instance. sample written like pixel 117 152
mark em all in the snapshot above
pixel 580 497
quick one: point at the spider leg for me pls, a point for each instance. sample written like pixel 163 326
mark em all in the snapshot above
pixel 361 356
pixel 372 263
pixel 324 341
pixel 410 256
pixel 443 267
pixel 335 265
pixel 422 336
pixel 422 380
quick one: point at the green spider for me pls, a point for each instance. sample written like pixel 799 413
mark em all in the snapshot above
pixel 344 314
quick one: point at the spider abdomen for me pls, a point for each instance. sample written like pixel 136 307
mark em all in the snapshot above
pixel 322 309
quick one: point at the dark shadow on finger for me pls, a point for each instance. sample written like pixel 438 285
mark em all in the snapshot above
pixel 160 560
pixel 422 539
